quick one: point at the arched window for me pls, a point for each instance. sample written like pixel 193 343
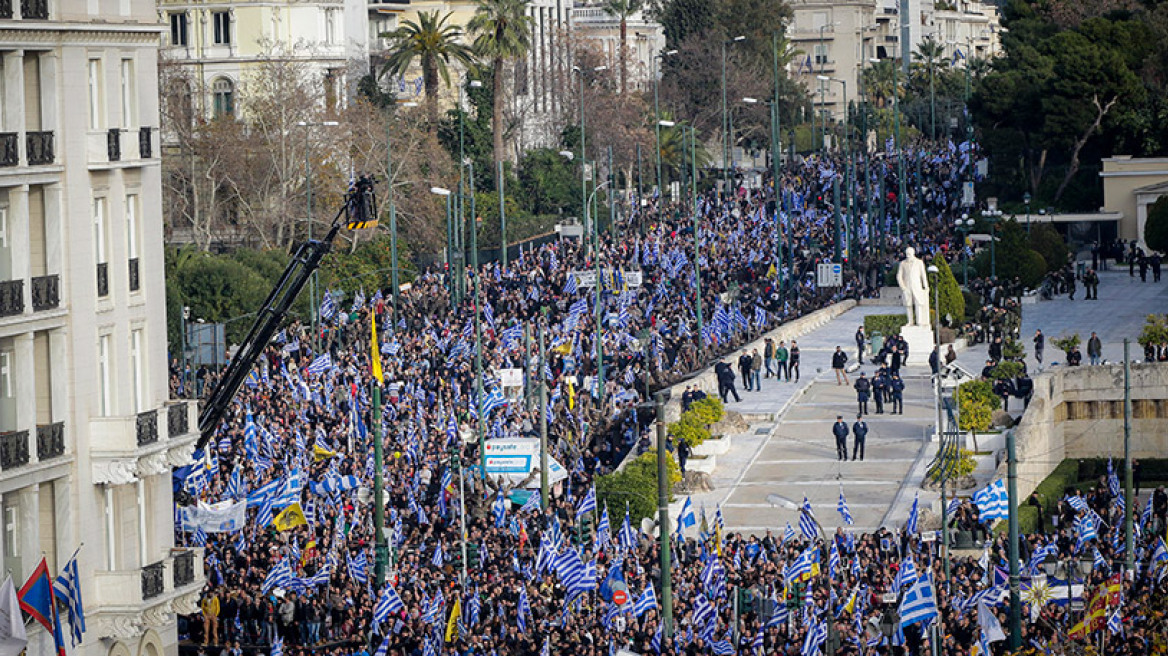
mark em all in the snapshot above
pixel 223 97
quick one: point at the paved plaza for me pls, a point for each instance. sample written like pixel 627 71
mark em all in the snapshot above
pixel 789 451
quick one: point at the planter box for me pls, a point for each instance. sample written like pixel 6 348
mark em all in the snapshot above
pixel 715 446
pixel 702 464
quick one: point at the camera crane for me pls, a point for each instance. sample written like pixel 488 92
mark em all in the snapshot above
pixel 359 211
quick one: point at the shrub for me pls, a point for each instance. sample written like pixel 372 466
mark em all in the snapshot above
pixel 1012 349
pixel 708 410
pixel 964 466
pixel 972 304
pixel 1065 344
pixel 1156 228
pixel 1007 369
pixel 689 430
pixel 885 324
pixel 636 485
pixel 1052 489
pixel 1155 330
pixel 952 303
pixel 975 416
pixel 1048 243
pixel 977 390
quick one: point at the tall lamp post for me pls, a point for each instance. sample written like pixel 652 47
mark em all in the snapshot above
pixel 1026 199
pixel 583 148
pixel 774 115
pixel 844 84
pixel 599 327
pixel 393 275
pixel 726 119
pixel 992 216
pixel 450 287
pixel 964 225
pixel 696 222
pixel 832 638
pixel 657 114
pixel 312 282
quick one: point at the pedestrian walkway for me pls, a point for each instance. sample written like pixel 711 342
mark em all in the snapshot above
pixel 789 452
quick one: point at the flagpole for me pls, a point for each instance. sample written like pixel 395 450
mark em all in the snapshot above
pixel 381 551
pixel 1015 633
pixel 663 523
pixel 1128 500
pixel 543 441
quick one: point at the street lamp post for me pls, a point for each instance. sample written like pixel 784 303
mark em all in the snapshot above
pixel 394 280
pixel 312 292
pixel 844 84
pixel 773 106
pixel 583 147
pixel 474 265
pixel 599 327
pixel 445 193
pixel 657 116
pixel 964 225
pixel 1026 199
pixel 726 118
pixel 992 216
pixel 696 222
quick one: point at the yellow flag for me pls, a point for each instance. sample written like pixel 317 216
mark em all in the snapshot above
pixel 376 352
pixel 290 518
pixel 850 607
pixel 320 453
pixel 452 623
pixel 571 396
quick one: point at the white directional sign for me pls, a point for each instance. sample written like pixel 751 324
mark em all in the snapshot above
pixel 829 275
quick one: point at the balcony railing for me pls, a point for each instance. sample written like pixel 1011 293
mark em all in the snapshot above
pixel 147 427
pixel 13 449
pixel 135 282
pixel 145 145
pixel 9 144
pixel 152 581
pixel 11 298
pixel 50 440
pixel 184 569
pixel 103 279
pixel 35 9
pixel 40 148
pixel 5 8
pixel 113 144
pixel 177 421
pixel 46 292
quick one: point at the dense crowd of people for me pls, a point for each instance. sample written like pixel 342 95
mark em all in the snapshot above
pixel 295 454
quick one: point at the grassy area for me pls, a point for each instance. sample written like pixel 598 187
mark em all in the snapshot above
pixel 1084 475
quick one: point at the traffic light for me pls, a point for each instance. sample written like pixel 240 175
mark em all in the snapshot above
pixel 472 554
pixel 456 559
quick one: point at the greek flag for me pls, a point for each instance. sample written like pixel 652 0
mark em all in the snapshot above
pixel 588 503
pixel 905 576
pixel 511 336
pixel 760 316
pixel 647 601
pixel 919 604
pixel 389 603
pixel 628 539
pixel 522 610
pixel 788 533
pixel 843 509
pixel 358 301
pixel 291 347
pixel 358 568
pixel 687 518
pixel 1112 479
pixel 278 646
pixel 320 365
pixel 992 501
pixel 704 613
pixel 328 307
pixel 494 399
pixel 1076 502
pixel 571 285
pixel 602 529
pixel 910 526
pixel 723 647
pixel 807 521
pixel 532 504
pixel 279 576
pixel 1085 528
pixel 67 588
pixel 499 509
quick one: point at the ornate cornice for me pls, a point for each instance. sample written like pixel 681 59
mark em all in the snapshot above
pixel 115 472
pixel 154 464
pixel 18 35
pixel 120 627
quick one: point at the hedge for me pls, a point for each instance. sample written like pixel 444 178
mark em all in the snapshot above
pixel 636 484
pixel 1051 490
pixel 1027 522
pixel 885 324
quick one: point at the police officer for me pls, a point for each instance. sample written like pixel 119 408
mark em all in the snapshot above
pixel 863 389
pixel 859 434
pixel 840 430
pixel 897 395
pixel 879 389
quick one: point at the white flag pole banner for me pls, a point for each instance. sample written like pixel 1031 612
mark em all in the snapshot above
pixel 222 517
pixel 12 635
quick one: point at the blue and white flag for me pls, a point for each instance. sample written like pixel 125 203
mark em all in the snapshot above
pixel 843 509
pixel 807 525
pixel 910 526
pixel 279 577
pixel 647 601
pixel 320 365
pixel 919 604
pixel 992 501
pixel 588 502
pixel 67 589
pixel 389 603
pixel 687 518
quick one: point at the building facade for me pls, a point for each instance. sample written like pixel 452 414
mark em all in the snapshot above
pixel 88 437
pixel 644 38
pixel 1130 185
pixel 838 38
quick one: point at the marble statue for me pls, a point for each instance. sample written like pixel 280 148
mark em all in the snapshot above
pixel 914 287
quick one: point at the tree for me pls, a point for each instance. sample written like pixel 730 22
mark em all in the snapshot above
pixel 951 304
pixel 622 9
pixel 1156 228
pixel 435 44
pixel 681 18
pixel 1050 245
pixel 502 32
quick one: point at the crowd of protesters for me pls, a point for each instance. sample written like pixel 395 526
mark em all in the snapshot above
pixel 298 576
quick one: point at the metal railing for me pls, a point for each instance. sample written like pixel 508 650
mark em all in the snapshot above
pixel 147 425
pixel 50 440
pixel 113 144
pixel 46 292
pixel 5 8
pixel 145 145
pixel 34 9
pixel 152 580
pixel 135 281
pixel 9 144
pixel 13 449
pixel 177 421
pixel 103 279
pixel 184 568
pixel 11 298
pixel 40 148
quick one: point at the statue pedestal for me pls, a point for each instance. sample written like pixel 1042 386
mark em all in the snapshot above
pixel 920 344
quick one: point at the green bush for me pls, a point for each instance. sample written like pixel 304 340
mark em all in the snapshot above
pixel 1012 349
pixel 1065 344
pixel 1156 228
pixel 952 303
pixel 885 324
pixel 972 304
pixel 1048 243
pixel 1027 521
pixel 1007 369
pixel 976 403
pixel 975 416
pixel 1052 489
pixel 708 410
pixel 636 485
pixel 689 430
pixel 1156 329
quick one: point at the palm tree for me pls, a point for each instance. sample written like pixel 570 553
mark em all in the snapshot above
pixel 436 45
pixel 502 31
pixel 879 81
pixel 930 56
pixel 622 9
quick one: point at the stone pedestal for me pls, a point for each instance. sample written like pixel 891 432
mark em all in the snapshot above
pixel 920 344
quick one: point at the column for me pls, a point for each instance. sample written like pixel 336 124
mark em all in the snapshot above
pixel 54 258
pixel 30 533
pixel 111 535
pixel 143 554
pixel 49 85
pixel 24 381
pixel 14 102
pixel 18 238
